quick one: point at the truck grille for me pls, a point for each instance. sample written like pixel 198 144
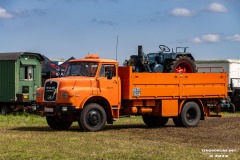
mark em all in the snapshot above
pixel 50 93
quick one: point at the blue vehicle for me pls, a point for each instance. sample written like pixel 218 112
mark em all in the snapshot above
pixel 163 61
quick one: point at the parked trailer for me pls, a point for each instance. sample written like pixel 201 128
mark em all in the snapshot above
pixel 232 68
pixel 20 77
pixel 95 91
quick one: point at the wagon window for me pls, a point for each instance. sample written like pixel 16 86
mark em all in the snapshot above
pixel 29 72
pixel 26 73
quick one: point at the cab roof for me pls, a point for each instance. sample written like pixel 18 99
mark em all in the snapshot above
pixel 94 58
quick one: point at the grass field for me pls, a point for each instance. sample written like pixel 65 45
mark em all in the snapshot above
pixel 28 137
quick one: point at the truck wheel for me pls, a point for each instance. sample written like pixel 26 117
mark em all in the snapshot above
pixel 153 121
pixel 5 110
pixel 190 114
pixel 232 108
pixel 58 123
pixel 178 121
pixel 182 64
pixel 92 118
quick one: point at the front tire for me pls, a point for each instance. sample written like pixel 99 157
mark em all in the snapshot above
pixel 58 123
pixel 153 121
pixel 92 118
pixel 190 114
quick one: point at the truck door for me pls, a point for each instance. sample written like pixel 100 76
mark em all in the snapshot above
pixel 109 86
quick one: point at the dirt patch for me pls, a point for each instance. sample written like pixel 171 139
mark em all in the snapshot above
pixel 221 133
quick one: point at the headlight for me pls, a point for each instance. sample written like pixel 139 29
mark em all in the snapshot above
pixel 64 109
pixel 64 95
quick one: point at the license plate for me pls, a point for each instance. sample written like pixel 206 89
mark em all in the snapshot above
pixel 48 109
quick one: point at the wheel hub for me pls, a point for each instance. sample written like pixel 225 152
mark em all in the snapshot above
pixel 191 115
pixel 180 70
pixel 93 118
pixel 183 67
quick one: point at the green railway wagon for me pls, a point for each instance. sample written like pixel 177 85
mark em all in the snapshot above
pixel 20 76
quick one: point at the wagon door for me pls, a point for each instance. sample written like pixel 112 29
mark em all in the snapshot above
pixel 29 80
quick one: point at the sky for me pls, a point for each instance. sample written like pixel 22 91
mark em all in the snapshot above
pixel 66 28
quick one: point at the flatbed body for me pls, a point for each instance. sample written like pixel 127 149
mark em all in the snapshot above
pixel 171 85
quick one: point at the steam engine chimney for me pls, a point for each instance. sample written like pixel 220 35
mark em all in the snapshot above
pixel 140 52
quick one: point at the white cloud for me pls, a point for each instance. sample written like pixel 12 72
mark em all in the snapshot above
pixel 210 38
pixel 5 14
pixel 196 40
pixel 217 7
pixel 182 12
pixel 213 38
pixel 235 37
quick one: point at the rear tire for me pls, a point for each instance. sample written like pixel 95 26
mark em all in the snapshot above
pixel 58 123
pixel 153 121
pixel 92 118
pixel 182 64
pixel 190 114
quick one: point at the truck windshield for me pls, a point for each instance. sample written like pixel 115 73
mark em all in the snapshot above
pixel 81 69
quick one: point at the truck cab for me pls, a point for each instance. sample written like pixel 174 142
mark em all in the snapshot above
pixel 89 90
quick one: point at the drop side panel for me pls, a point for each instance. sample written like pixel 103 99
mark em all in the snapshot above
pixel 172 85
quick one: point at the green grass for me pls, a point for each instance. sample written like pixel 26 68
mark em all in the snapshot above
pixel 29 137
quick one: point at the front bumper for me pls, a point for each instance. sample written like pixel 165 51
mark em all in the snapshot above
pixel 59 110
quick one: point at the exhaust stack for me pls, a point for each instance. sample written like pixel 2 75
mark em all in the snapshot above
pixel 140 52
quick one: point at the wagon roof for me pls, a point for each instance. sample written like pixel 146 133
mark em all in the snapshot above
pixel 16 55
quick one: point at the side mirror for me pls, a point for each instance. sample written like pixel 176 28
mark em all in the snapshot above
pixel 110 74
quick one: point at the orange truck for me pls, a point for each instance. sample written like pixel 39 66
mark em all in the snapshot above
pixel 97 91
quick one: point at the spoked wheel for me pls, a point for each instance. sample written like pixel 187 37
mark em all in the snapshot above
pixel 92 118
pixel 182 64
